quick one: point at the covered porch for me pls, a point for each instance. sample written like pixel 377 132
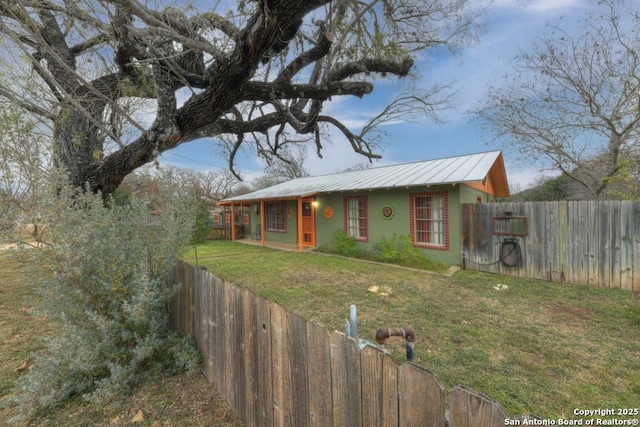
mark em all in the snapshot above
pixel 277 217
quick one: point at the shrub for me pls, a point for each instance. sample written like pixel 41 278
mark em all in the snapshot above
pixel 400 250
pixel 387 250
pixel 345 245
pixel 397 250
pixel 108 294
pixel 203 222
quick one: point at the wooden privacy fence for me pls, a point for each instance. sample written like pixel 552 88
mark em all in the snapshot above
pixel 582 242
pixel 276 369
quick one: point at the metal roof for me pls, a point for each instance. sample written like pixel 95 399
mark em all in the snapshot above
pixel 450 170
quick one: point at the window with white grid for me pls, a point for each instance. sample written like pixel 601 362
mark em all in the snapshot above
pixel 430 219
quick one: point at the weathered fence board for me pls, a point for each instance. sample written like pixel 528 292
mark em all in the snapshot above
pixel 592 231
pixel 389 392
pixel 298 367
pixel 635 238
pixel 203 310
pixel 220 329
pixel 276 369
pixel 564 243
pixel 339 380
pixel 319 373
pixel 371 362
pixel 251 351
pixel 469 408
pixel 212 331
pixel 429 411
pixel 237 383
pixel 345 381
pixel 594 243
pixel 264 389
pixel 282 409
pixel 626 246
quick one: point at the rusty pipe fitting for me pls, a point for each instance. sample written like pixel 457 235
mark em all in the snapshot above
pixel 406 332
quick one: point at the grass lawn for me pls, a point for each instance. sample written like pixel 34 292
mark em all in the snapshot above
pixel 177 401
pixel 535 347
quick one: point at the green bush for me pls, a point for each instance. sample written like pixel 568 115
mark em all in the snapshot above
pixel 345 245
pixel 203 222
pixel 400 250
pixel 107 291
pixel 397 250
pixel 387 250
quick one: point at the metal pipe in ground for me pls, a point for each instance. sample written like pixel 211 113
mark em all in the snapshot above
pixel 351 325
pixel 382 334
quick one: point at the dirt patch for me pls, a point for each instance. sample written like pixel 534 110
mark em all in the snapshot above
pixel 297 277
pixel 571 313
pixel 179 400
pixel 182 400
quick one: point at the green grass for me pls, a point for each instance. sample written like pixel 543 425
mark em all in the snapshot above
pixel 536 347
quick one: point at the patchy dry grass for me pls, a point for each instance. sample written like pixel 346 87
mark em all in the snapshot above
pixel 181 400
pixel 533 346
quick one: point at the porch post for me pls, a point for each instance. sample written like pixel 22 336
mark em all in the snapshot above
pixel 300 232
pixel 263 217
pixel 233 222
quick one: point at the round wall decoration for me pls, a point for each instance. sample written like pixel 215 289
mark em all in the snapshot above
pixel 328 212
pixel 387 212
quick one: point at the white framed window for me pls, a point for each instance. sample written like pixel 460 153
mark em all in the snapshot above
pixel 276 216
pixel 429 220
pixel 356 217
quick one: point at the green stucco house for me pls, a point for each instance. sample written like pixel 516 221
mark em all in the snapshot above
pixel 421 199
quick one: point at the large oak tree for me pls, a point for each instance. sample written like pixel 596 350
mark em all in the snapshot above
pixel 250 72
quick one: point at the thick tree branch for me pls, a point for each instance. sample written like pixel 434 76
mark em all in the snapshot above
pixel 359 145
pixel 372 66
pixel 312 55
pixel 80 48
pixel 261 91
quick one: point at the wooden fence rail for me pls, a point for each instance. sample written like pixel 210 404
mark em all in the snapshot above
pixel 587 243
pixel 276 369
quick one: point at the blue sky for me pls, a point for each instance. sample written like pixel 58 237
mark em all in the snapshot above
pixel 513 25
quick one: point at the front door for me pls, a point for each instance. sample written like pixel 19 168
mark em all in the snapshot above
pixel 308 223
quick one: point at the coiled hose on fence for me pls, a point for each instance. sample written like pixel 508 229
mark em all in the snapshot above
pixel 510 254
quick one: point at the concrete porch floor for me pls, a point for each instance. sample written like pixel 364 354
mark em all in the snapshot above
pixel 274 245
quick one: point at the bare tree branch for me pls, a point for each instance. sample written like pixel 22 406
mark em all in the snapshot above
pixel 577 101
pixel 264 70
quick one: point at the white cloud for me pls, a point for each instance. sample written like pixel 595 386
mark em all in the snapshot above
pixel 537 5
pixel 337 156
pixel 552 5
